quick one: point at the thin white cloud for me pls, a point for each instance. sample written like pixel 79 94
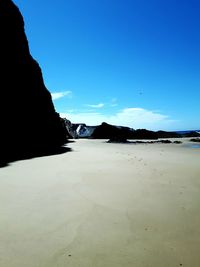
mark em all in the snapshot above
pixel 114 102
pixel 132 117
pixel 100 105
pixel 59 95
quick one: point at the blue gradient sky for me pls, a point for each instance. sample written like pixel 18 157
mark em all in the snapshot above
pixel 127 62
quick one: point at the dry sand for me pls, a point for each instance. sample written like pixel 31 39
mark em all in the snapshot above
pixel 102 205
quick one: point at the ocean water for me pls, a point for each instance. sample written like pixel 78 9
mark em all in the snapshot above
pixel 195 146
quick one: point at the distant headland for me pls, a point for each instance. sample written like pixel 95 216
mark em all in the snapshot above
pixel 107 131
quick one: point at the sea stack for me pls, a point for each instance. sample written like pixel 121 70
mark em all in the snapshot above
pixel 28 120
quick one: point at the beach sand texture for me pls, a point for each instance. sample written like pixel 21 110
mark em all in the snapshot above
pixel 102 205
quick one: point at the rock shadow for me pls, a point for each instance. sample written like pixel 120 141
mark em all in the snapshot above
pixel 6 158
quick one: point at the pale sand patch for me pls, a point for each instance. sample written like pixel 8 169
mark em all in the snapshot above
pixel 102 205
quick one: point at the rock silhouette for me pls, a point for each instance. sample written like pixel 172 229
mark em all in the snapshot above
pixel 197 140
pixel 164 134
pixel 120 133
pixel 29 125
pixel 107 131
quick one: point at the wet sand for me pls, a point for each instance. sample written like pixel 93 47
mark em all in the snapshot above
pixel 102 205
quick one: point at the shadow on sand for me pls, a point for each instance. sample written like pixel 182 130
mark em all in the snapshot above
pixel 7 158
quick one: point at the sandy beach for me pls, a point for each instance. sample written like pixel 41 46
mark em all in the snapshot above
pixel 102 205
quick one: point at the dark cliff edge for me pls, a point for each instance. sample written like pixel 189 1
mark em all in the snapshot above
pixel 29 124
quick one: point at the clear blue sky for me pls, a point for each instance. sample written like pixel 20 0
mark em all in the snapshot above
pixel 127 62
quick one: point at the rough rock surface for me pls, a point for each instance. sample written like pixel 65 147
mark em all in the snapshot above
pixel 29 123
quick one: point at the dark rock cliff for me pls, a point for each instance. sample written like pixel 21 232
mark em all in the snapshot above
pixel 29 124
pixel 107 131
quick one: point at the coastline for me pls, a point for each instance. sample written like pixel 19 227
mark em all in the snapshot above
pixel 104 205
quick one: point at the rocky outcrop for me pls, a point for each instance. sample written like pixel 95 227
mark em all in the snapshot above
pixel 120 133
pixel 144 134
pixel 84 131
pixel 163 134
pixel 191 134
pixel 107 131
pixel 70 132
pixel 197 140
pixel 29 123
